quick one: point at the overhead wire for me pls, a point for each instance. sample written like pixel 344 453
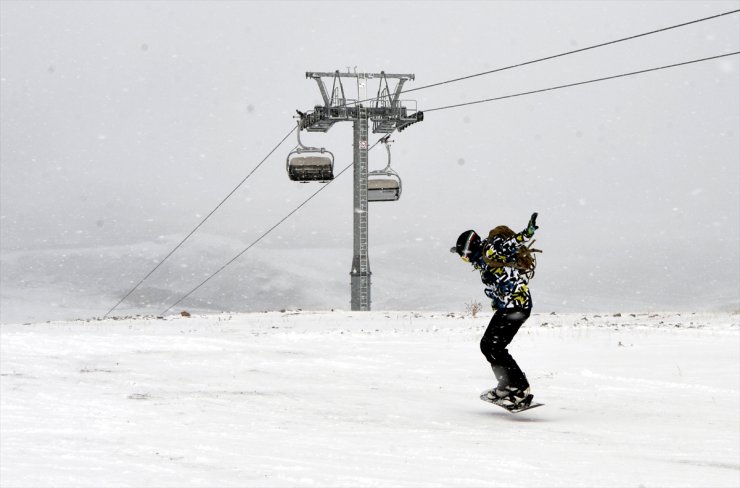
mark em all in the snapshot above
pixel 264 234
pixel 432 110
pixel 203 221
pixel 581 82
pixel 448 107
pixel 546 58
pixel 559 55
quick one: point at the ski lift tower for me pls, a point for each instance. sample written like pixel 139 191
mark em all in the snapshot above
pixel 388 114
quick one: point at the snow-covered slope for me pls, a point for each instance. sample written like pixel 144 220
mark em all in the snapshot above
pixel 368 399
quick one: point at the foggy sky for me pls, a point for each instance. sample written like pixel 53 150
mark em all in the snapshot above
pixel 125 123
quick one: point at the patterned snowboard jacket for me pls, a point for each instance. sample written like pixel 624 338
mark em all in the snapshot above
pixel 507 287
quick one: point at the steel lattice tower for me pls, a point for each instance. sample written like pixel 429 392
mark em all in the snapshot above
pixel 387 114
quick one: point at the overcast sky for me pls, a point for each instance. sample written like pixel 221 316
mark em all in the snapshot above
pixel 127 122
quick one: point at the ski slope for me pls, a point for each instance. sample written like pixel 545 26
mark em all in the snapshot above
pixel 368 399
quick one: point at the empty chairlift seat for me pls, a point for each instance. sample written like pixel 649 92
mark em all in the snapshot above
pixel 306 164
pixel 307 168
pixel 383 187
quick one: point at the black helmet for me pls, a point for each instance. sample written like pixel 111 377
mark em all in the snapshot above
pixel 468 245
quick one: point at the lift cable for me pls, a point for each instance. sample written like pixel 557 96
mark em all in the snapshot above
pixel 450 106
pixel 340 173
pixel 264 234
pixel 437 109
pixel 571 52
pixel 198 226
pixel 518 65
pixel 580 83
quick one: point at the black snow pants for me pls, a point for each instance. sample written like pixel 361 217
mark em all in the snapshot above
pixel 501 330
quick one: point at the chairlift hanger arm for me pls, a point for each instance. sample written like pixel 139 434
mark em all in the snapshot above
pixel 388 150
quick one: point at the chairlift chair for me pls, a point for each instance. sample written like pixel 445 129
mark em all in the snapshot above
pixel 384 185
pixel 306 164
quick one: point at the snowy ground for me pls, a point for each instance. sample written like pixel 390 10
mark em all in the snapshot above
pixel 368 399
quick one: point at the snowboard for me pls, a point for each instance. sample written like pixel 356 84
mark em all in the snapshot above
pixel 508 408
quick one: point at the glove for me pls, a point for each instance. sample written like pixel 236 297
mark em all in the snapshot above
pixel 532 226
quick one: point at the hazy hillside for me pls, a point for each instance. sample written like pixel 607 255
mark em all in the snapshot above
pixel 63 284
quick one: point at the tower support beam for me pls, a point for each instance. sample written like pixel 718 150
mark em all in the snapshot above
pixel 387 114
pixel 360 274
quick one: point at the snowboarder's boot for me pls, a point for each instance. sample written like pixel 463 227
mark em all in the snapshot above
pixel 511 397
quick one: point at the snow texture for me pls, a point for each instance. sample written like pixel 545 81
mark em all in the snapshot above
pixel 368 399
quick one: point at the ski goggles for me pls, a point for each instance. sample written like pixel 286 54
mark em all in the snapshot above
pixel 464 257
pixel 466 250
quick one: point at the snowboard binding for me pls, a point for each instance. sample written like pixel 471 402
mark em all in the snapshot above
pixel 493 396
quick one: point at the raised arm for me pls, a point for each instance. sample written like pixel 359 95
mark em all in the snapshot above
pixel 506 246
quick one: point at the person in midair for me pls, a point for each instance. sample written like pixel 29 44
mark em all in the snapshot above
pixel 506 265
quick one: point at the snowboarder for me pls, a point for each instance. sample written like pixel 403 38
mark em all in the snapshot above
pixel 506 266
